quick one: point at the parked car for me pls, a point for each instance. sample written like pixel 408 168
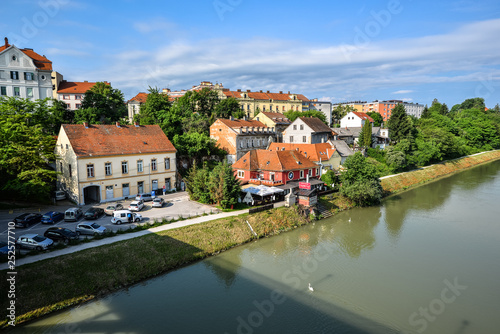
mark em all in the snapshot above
pixel 27 219
pixel 60 234
pixel 4 248
pixel 90 229
pixel 158 202
pixel 93 213
pixel 72 214
pixel 34 241
pixel 136 205
pixel 145 197
pixel 60 195
pixel 125 216
pixel 112 208
pixel 52 217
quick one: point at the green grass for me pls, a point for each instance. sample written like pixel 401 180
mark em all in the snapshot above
pixel 83 275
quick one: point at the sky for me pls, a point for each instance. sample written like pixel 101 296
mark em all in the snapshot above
pixel 331 50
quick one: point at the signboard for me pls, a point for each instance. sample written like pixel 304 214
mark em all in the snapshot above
pixel 304 185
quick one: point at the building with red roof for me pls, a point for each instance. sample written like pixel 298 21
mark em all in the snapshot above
pixel 101 163
pixel 274 167
pixel 324 155
pixel 24 73
pixel 355 119
pixel 72 92
pixel 239 136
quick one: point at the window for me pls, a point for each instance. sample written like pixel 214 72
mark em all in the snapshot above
pixel 29 76
pixel 310 172
pixel 248 143
pixel 3 90
pixel 241 174
pixel 154 184
pixel 153 164
pixel 78 106
pixel 90 170
pixel 69 170
pixel 258 142
pixel 107 168
pixel 65 97
pixel 295 126
pixel 14 75
pixel 124 167
pixel 242 144
pixel 301 173
pixel 29 92
pixel 283 108
pixel 17 91
pixel 317 171
pixel 304 139
pixel 302 126
pixel 61 168
pixel 67 146
pixel 291 139
pixel 139 166
pixel 167 163
pixel 78 97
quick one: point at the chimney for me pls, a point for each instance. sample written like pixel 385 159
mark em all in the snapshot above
pixel 248 90
pixel 86 125
pixel 268 92
pixel 288 92
pixel 117 124
pixel 261 90
pixel 239 90
pixel 6 42
pixel 281 92
pixel 136 124
pixel 85 80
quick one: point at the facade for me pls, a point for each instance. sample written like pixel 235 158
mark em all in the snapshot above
pixel 274 120
pixel 134 105
pixel 414 109
pixel 24 73
pixel 384 108
pixel 100 163
pixel 238 136
pixel 343 150
pixel 307 130
pixel 355 119
pixel 324 155
pixel 357 105
pixel 72 93
pixel 324 107
pixel 274 167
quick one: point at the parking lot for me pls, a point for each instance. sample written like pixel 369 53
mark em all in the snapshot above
pixel 178 204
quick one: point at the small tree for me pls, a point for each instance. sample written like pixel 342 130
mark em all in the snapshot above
pixel 400 125
pixel 365 136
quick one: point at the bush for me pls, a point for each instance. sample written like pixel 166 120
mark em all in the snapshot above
pixel 363 193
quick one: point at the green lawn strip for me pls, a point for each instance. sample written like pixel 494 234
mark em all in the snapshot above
pixel 52 284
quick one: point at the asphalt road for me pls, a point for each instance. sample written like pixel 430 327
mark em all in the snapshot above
pixel 178 204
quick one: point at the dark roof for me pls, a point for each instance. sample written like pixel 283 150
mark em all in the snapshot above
pixel 316 124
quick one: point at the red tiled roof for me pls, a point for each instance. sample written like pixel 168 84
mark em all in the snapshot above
pixel 141 98
pixel 238 123
pixel 277 161
pixel 102 140
pixel 362 115
pixel 302 98
pixel 228 93
pixel 315 124
pixel 314 152
pixel 71 87
pixel 40 62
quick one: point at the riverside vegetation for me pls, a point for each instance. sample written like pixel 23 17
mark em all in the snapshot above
pixel 85 275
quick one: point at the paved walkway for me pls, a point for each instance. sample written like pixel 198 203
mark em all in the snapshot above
pixel 121 237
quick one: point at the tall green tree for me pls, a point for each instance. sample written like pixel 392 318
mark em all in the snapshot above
pixel 26 148
pixel 224 187
pixel 377 118
pixel 102 104
pixel 400 125
pixel 229 107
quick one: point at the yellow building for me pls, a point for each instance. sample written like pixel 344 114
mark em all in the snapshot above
pixel 101 163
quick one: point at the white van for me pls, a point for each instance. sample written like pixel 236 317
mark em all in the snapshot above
pixel 123 216
pixel 72 214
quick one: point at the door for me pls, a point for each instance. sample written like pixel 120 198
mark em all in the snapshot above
pixel 167 183
pixel 109 192
pixel 125 190
pixel 140 187
pixel 155 184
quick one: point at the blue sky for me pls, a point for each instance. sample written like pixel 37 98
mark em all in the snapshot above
pixel 332 50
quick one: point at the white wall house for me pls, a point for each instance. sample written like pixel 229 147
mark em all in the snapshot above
pixel 24 73
pixel 307 130
pixel 101 163
pixel 355 119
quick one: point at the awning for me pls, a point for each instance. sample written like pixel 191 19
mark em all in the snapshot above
pixel 263 190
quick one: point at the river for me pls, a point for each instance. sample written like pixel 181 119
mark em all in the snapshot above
pixel 425 261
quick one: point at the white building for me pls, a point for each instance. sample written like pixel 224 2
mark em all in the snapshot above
pixel 355 119
pixel 72 93
pixel 24 73
pixel 324 107
pixel 307 130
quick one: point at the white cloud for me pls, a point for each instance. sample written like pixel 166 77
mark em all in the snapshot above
pixel 155 24
pixel 465 55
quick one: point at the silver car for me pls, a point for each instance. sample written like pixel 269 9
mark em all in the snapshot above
pixel 34 241
pixel 89 228
pixel 158 202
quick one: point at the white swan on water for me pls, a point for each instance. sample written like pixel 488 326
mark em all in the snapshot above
pixel 310 287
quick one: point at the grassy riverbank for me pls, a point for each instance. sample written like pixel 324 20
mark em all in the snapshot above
pixel 56 283
pixel 404 181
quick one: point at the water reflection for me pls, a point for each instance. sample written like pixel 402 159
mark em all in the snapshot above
pixel 225 271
